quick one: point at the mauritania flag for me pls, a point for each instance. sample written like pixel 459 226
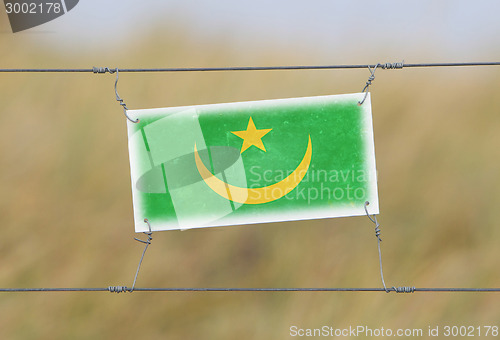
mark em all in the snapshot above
pixel 252 162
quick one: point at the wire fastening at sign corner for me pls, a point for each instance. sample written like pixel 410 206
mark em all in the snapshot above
pixel 373 218
pixel 377 235
pixel 120 100
pixel 102 70
pixel 123 289
pixel 147 243
pixel 367 85
pixel 385 66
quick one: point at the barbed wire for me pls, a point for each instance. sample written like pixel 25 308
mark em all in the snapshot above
pixel 398 65
pixel 120 289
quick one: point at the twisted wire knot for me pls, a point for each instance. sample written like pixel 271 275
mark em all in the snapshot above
pixel 368 83
pixel 403 289
pixel 378 232
pixel 147 233
pixel 392 66
pixel 118 289
pixel 374 221
pixel 103 70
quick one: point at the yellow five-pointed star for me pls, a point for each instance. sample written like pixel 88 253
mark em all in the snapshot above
pixel 252 136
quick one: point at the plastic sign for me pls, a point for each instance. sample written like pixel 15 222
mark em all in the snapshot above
pixel 252 162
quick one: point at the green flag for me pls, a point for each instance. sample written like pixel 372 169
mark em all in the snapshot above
pixel 252 162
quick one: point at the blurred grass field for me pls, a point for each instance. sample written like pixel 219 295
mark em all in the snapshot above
pixel 66 208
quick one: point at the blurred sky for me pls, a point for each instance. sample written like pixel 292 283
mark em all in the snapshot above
pixel 418 30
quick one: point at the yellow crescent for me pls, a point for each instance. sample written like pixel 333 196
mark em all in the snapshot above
pixel 255 195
